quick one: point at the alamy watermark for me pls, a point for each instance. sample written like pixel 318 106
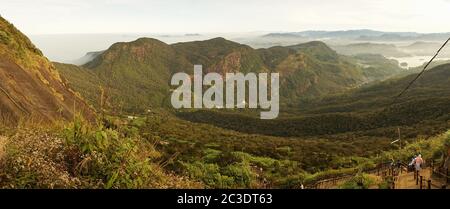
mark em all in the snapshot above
pixel 235 91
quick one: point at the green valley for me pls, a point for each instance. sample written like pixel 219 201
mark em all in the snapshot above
pixel 109 123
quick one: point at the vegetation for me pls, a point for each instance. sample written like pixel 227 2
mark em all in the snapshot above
pixel 370 111
pixel 145 153
pixel 377 67
pixel 434 148
pixel 333 123
pixel 80 155
pixel 138 72
pixel 360 181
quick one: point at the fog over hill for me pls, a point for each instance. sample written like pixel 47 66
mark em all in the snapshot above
pixel 77 48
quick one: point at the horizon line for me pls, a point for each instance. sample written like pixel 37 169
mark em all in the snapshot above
pixel 233 32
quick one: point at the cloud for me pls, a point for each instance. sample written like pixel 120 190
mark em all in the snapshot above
pixel 105 16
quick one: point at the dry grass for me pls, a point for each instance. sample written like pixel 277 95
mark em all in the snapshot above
pixel 35 159
pixel 41 158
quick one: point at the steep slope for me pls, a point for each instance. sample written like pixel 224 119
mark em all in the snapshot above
pixel 31 87
pixel 85 81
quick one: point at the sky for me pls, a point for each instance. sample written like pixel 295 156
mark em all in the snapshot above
pixel 224 16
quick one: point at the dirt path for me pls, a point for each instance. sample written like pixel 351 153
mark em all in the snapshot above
pixel 407 181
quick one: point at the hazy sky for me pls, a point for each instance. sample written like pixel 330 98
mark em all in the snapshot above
pixel 199 16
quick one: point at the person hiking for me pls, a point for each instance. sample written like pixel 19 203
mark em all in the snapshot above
pixel 418 161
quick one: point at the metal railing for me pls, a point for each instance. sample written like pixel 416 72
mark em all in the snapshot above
pixel 388 170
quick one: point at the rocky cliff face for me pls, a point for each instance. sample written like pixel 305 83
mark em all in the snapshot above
pixel 30 86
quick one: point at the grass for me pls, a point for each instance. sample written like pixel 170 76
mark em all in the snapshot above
pixel 81 155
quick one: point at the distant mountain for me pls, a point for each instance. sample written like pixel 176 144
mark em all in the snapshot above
pixel 340 34
pixel 352 34
pixel 401 37
pixel 282 35
pixel 363 35
pixel 192 34
pixel 387 50
pixel 423 48
pixel 30 86
pixel 137 74
pixel 422 44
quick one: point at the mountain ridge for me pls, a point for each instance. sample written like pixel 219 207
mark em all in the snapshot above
pixel 139 71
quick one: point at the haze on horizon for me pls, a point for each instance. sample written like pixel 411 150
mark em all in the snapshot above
pixel 65 30
pixel 214 16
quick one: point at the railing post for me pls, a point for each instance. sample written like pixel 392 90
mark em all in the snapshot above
pixel 447 176
pixel 417 178
pixel 421 178
pixel 429 183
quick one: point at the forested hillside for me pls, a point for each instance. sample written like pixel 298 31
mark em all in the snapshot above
pixel 138 72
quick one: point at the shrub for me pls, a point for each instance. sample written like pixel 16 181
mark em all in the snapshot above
pixel 209 174
pixel 106 156
pixel 360 181
pixel 242 174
